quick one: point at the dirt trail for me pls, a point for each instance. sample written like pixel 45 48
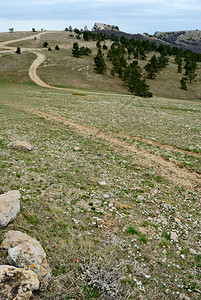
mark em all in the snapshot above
pixel 34 77
pixel 40 59
pixel 180 176
pixel 5 43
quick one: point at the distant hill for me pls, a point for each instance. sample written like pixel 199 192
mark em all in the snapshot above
pixel 190 39
pixel 185 39
pixel 136 36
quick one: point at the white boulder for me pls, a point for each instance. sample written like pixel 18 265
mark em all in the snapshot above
pixel 9 206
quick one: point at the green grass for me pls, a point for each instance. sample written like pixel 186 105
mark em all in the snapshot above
pixel 131 230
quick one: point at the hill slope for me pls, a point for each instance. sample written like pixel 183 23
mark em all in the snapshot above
pixel 112 186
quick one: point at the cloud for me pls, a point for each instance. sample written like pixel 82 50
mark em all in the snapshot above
pixel 129 13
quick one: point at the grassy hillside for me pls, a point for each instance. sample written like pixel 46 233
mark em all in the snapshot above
pixel 110 178
pixel 189 39
pixel 62 69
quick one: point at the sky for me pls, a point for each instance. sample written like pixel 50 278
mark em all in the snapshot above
pixel 133 16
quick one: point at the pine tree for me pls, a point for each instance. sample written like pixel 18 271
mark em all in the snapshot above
pixel 136 85
pixel 76 50
pixel 18 51
pixel 183 83
pixel 190 68
pixel 99 62
pixel 162 62
pixel 45 44
pixel 152 67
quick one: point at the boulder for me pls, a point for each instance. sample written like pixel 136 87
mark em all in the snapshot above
pixel 13 238
pixel 20 145
pixel 17 283
pixel 31 256
pixel 9 207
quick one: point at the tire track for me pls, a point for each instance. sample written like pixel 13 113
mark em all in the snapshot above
pixel 180 176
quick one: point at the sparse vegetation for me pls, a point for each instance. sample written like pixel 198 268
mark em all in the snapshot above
pixel 111 175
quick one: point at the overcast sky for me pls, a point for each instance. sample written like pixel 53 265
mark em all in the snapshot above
pixel 130 15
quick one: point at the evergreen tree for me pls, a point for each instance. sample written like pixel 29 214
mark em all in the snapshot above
pixel 152 67
pixel 45 44
pixel 76 50
pixel 162 62
pixel 183 84
pixel 136 85
pixel 85 51
pixel 98 44
pixel 179 66
pixel 86 35
pixel 190 68
pixel 18 51
pixel 178 61
pixel 99 62
pixel 78 33
pixel 105 46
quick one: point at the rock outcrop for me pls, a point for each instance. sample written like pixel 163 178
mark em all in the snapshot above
pixel 102 26
pixel 9 206
pixel 30 256
pixel 20 145
pixel 17 283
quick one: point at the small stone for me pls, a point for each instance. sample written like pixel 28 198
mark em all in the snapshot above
pixel 106 196
pixel 167 291
pixel 98 222
pixel 102 183
pixel 173 236
pixel 140 198
pixel 192 251
pixel 184 297
pixel 76 148
pixel 20 145
pixel 9 206
pixel 177 220
pixel 121 205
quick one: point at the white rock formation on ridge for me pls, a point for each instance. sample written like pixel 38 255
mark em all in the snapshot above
pixel 102 26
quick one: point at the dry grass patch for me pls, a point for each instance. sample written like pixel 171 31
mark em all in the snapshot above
pixel 59 187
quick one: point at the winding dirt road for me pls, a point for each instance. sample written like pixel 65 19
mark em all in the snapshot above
pixel 171 170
